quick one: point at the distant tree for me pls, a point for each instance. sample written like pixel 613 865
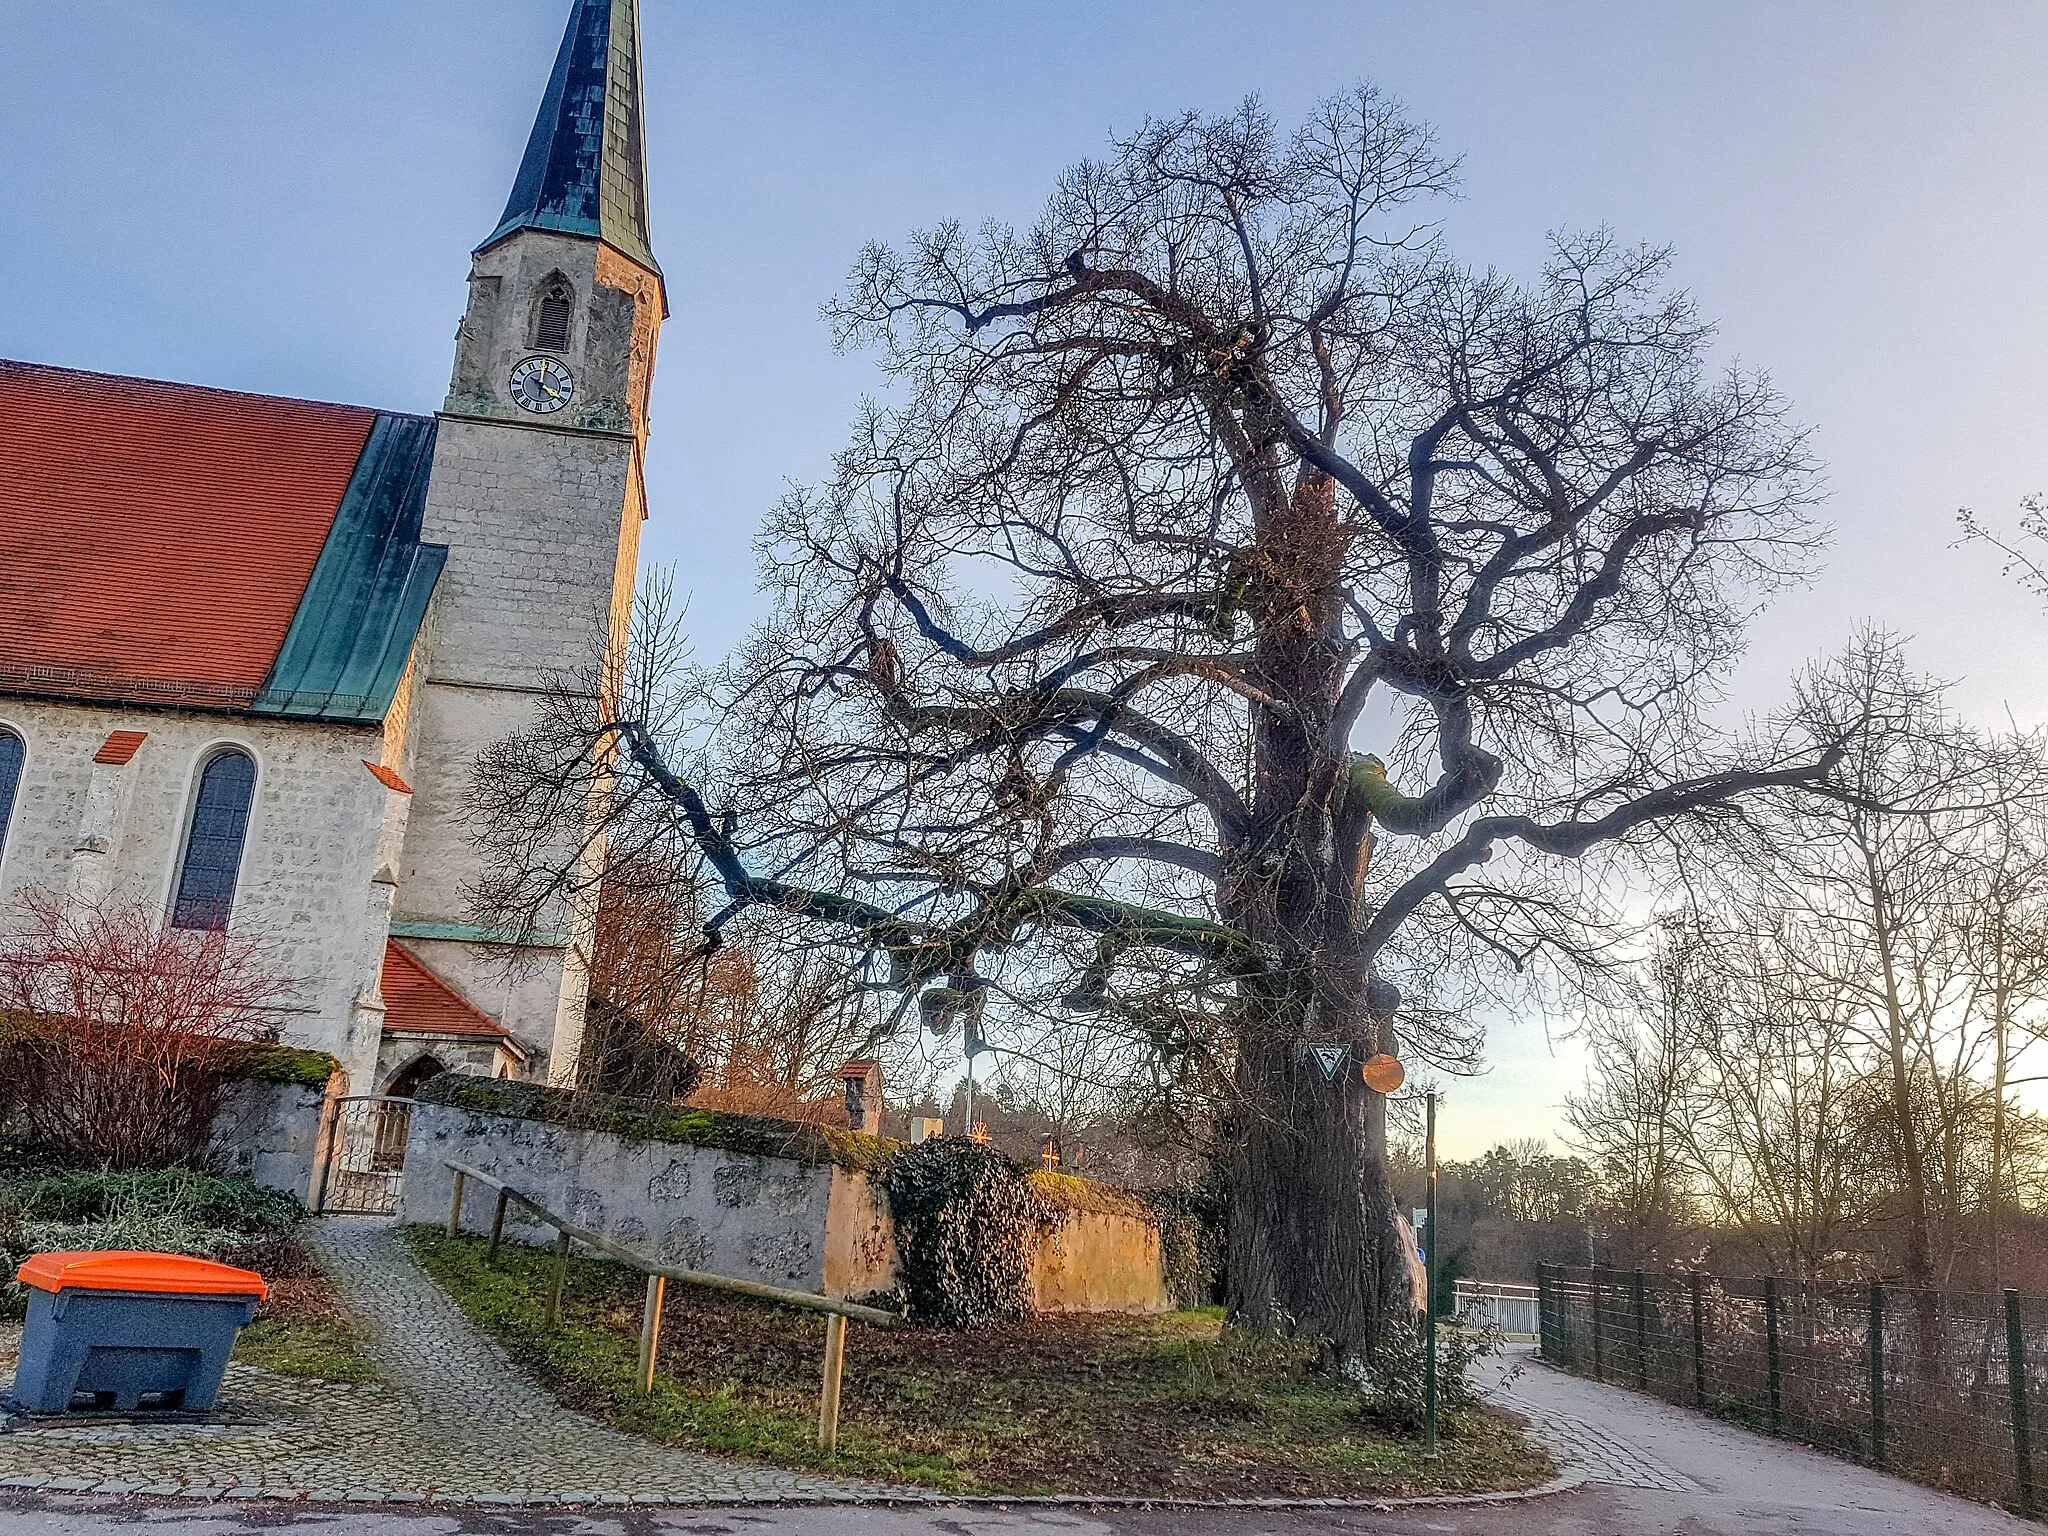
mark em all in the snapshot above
pixel 1220 467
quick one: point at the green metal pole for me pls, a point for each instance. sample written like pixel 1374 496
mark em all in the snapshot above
pixel 1877 1372
pixel 1773 1369
pixel 1699 1340
pixel 1642 1335
pixel 2016 1378
pixel 1429 1294
pixel 1599 1327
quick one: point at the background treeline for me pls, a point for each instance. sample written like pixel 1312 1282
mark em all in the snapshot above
pixel 1820 1064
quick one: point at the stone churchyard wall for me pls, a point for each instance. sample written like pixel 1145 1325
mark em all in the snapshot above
pixel 796 1205
pixel 272 1128
pixel 1102 1253
pixel 804 1221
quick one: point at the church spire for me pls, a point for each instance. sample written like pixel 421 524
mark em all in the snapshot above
pixel 585 169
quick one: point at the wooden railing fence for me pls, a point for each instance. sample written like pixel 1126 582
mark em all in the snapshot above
pixel 568 1233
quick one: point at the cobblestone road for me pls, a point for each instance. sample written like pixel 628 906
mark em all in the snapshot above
pixel 452 1416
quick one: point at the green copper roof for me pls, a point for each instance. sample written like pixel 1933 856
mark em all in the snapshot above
pixel 352 635
pixel 585 171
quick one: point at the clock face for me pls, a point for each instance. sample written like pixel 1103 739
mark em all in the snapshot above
pixel 542 384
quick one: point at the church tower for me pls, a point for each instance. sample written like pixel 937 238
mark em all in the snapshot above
pixel 537 493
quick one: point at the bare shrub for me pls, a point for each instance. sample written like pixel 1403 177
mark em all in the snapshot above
pixel 119 1034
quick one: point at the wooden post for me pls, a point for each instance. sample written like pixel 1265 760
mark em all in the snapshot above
pixel 2016 1379
pixel 1772 1369
pixel 1642 1336
pixel 828 1399
pixel 554 1315
pixel 497 1226
pixel 1699 1339
pixel 455 1204
pixel 650 1329
pixel 1876 1332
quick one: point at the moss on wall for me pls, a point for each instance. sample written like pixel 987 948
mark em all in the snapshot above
pixel 638 1120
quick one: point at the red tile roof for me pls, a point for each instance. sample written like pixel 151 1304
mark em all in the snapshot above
pixel 120 747
pixel 155 538
pixel 418 1002
pixel 388 778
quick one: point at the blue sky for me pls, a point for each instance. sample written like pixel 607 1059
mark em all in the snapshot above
pixel 282 198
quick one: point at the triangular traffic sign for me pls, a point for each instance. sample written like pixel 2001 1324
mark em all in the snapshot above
pixel 1328 1058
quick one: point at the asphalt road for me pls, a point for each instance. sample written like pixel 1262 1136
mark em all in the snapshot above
pixel 1652 1470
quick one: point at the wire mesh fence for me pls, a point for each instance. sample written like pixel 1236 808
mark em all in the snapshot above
pixel 1939 1386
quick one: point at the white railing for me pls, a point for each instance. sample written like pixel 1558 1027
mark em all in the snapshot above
pixel 1509 1307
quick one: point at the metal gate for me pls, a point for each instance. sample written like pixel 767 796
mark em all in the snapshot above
pixel 365 1163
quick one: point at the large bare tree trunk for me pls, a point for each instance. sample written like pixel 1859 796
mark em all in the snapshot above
pixel 1314 1246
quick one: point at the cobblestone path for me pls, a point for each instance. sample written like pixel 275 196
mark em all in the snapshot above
pixel 452 1419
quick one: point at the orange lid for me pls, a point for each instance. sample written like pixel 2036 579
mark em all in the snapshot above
pixel 121 1270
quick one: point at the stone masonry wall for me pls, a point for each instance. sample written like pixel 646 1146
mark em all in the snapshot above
pixel 814 1228
pixel 271 1133
pixel 307 867
pixel 731 1213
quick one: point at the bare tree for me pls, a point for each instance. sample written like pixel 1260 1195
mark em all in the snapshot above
pixel 1631 1122
pixel 1222 466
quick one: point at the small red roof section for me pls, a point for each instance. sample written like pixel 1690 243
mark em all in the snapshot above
pixel 128 1270
pixel 417 1002
pixel 387 778
pixel 120 747
pixel 155 538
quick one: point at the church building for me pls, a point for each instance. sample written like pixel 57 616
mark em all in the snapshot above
pixel 251 647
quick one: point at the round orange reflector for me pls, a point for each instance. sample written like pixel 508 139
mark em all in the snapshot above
pixel 1383 1073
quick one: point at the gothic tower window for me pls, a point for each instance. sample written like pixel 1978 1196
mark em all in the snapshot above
pixel 213 844
pixel 12 753
pixel 551 318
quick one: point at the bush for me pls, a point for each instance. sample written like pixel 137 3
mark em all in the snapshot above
pixel 966 1221
pixel 175 1211
pixel 118 1036
pixel 1393 1381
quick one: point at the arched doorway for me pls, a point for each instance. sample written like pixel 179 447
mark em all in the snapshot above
pixel 407 1082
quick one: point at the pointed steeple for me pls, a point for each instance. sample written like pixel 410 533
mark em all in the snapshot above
pixel 585 169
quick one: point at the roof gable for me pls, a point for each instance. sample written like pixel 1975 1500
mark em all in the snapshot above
pixel 418 1002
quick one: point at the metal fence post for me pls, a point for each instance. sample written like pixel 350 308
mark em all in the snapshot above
pixel 1877 1372
pixel 650 1329
pixel 497 1226
pixel 2016 1377
pixel 1546 1302
pixel 554 1314
pixel 1772 1371
pixel 455 1205
pixel 1642 1335
pixel 828 1399
pixel 1699 1339
pixel 1599 1332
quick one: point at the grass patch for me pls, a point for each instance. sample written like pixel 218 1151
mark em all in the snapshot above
pixel 322 1349
pixel 1170 1406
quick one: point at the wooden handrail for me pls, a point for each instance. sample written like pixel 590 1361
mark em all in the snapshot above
pixel 810 1301
pixel 658 1276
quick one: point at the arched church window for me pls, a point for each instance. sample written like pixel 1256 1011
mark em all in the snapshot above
pixel 551 323
pixel 213 845
pixel 12 755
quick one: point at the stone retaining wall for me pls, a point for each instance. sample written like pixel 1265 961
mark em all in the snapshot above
pixel 272 1133
pixel 813 1226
